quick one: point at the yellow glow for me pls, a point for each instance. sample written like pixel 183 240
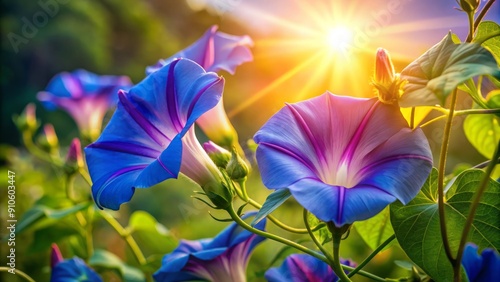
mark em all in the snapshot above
pixel 339 38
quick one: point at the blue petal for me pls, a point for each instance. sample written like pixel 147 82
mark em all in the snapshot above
pixel 301 267
pixel 141 145
pixel 481 268
pixel 73 270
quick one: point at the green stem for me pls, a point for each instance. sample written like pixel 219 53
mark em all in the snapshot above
pixel 126 236
pixel 315 240
pixel 17 271
pixel 89 228
pixel 35 151
pixel 470 17
pixel 277 222
pixel 441 173
pixel 336 266
pixel 462 113
pixel 472 212
pixel 372 255
pixel 273 237
pixel 483 13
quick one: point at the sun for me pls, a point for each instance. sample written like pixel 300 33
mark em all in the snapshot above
pixel 338 39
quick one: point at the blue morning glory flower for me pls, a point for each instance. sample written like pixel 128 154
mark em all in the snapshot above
pixel 150 137
pixel 70 270
pixel 215 51
pixel 344 159
pixel 302 268
pixel 223 258
pixel 481 268
pixel 85 96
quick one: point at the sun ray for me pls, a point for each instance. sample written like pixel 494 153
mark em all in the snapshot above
pixel 273 85
pixel 317 74
pixel 423 25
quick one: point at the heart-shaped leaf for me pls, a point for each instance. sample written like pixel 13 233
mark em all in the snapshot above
pixel 435 74
pixel 416 225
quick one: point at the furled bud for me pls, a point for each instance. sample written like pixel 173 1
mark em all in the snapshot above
pixel 386 81
pixel 220 194
pixel 55 256
pixel 74 158
pixel 219 155
pixel 27 120
pixel 48 140
pixel 469 6
pixel 237 169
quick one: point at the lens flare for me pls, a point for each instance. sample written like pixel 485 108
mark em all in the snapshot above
pixel 339 38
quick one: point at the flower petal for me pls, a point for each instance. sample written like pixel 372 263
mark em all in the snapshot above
pixel 141 146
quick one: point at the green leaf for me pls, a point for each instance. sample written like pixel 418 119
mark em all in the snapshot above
pixel 483 132
pixel 44 237
pixel 416 225
pixel 42 215
pixel 273 201
pixel 485 30
pixel 375 230
pixel 153 237
pixel 323 234
pixel 435 74
pixel 107 260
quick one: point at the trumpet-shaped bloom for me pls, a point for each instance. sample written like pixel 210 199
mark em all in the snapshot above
pixel 85 96
pixel 150 136
pixel 481 268
pixel 301 267
pixel 344 159
pixel 215 51
pixel 69 270
pixel 223 258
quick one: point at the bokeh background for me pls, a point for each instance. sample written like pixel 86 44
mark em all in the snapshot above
pixel 294 59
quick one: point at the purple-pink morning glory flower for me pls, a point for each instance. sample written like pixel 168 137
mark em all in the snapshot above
pixel 302 267
pixel 68 270
pixel 85 96
pixel 482 267
pixel 215 51
pixel 223 258
pixel 150 137
pixel 344 159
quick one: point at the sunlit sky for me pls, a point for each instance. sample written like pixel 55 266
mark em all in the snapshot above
pixel 333 43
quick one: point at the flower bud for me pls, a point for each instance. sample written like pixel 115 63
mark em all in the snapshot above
pixel 219 194
pixel 386 81
pixel 74 158
pixel 48 140
pixel 219 155
pixel 27 120
pixel 237 169
pixel 469 6
pixel 55 256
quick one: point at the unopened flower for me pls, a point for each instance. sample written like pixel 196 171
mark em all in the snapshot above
pixel 302 267
pixel 344 159
pixel 48 140
pixel 85 96
pixel 74 158
pixel 223 258
pixel 150 137
pixel 386 81
pixel 215 51
pixel 27 120
pixel 219 155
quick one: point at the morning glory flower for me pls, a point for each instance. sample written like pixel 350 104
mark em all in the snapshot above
pixel 85 96
pixel 68 270
pixel 150 137
pixel 302 267
pixel 482 267
pixel 344 159
pixel 223 258
pixel 215 51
